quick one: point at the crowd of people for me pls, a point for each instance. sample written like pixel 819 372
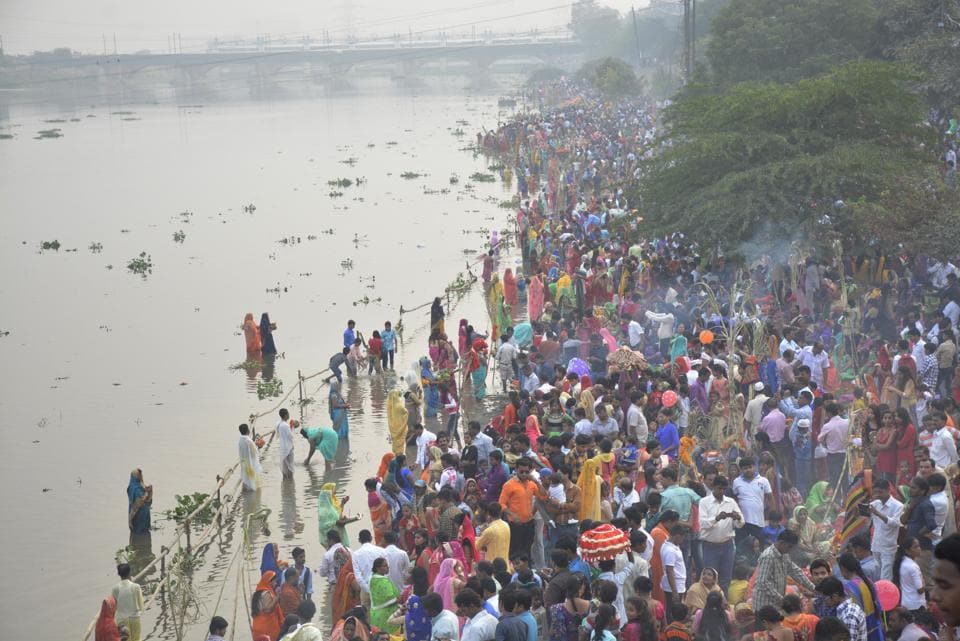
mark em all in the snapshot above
pixel 690 445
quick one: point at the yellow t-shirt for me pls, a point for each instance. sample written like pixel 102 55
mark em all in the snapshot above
pixel 736 591
pixel 496 540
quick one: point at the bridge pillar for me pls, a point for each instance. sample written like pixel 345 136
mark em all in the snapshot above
pixel 480 75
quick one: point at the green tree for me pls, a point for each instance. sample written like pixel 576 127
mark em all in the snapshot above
pixel 786 40
pixel 765 163
pixel 925 34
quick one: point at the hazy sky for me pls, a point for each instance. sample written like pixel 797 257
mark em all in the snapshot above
pixel 28 25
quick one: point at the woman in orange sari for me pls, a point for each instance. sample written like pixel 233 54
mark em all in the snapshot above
pixel 510 293
pixel 346 594
pixel 384 465
pixel 265 609
pixel 380 515
pixel 251 333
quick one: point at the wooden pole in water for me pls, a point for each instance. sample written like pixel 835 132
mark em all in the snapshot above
pixel 300 384
pixel 163 566
pixel 219 503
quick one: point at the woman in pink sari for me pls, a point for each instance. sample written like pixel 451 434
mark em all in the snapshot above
pixel 535 298
pixel 449 582
pixel 510 294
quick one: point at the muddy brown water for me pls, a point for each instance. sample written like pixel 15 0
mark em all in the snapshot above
pixel 105 371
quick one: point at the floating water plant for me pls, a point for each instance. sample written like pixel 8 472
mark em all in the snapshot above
pixel 95 247
pixel 50 244
pixel 410 175
pixel 269 389
pixel 49 133
pixel 141 265
pixel 179 236
pixel 340 182
pixel 482 177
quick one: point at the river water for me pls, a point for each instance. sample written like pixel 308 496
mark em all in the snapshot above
pixel 105 371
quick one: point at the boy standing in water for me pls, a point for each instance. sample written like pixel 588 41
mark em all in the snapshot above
pixel 389 338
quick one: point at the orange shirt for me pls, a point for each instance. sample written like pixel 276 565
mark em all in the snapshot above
pixel 509 416
pixel 517 496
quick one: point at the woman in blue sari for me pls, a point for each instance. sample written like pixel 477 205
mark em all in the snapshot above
pixel 861 590
pixel 268 562
pixel 267 346
pixel 398 473
pixel 139 499
pixel 431 395
pixel 338 410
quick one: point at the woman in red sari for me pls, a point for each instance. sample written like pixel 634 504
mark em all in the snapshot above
pixel 265 609
pixel 346 594
pixel 106 629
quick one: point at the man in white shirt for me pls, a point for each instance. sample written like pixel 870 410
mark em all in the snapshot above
pixel 788 342
pixel 814 357
pixel 363 558
pixel 285 435
pixel 445 624
pixel 636 421
pixel 583 424
pixel 753 494
pixel 720 518
pixel 424 438
pixel 635 334
pixel 506 357
pixel 674 579
pixel 397 559
pixel 328 565
pixel 943 449
pixel 941 503
pixel 529 378
pixel 604 426
pixel 664 330
pixel 483 442
pixel 129 598
pixel 480 625
pixel 624 495
pixel 885 513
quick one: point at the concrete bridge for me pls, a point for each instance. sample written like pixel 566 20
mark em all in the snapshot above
pixel 260 63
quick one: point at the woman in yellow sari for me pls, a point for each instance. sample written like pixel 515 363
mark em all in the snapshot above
pixel 397 417
pixel 586 402
pixel 589 484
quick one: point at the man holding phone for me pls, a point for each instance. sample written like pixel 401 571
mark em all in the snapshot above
pixel 720 517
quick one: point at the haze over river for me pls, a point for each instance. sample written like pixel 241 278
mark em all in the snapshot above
pixel 105 371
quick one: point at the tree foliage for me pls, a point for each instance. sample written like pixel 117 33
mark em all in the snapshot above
pixel 786 40
pixel 925 34
pixel 766 162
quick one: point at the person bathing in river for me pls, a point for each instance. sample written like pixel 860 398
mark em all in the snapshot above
pixel 140 498
pixel 250 470
pixel 389 337
pixel 251 334
pixel 267 346
pixel 324 439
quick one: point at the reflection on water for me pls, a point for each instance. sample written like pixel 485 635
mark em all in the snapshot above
pixel 290 522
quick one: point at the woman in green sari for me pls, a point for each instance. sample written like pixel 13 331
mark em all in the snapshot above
pixel 820 504
pixel 383 597
pixel 330 514
pixel 324 439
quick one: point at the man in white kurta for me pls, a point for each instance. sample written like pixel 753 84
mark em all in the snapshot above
pixel 285 434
